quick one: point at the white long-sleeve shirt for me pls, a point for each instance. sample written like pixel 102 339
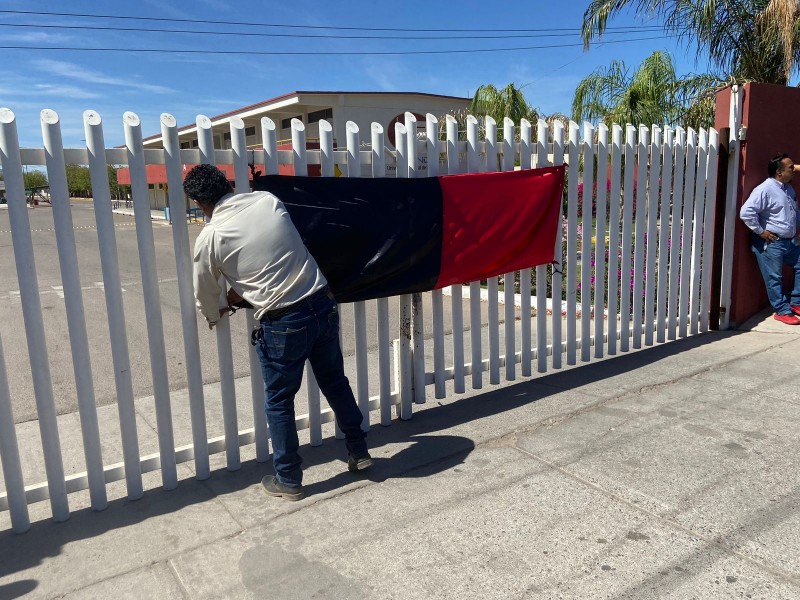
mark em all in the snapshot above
pixel 252 242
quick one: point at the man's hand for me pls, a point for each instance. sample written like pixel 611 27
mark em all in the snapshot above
pixel 768 236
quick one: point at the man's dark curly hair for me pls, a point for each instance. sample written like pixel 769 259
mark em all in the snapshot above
pixel 206 184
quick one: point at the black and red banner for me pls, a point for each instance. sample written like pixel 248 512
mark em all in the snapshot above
pixel 383 237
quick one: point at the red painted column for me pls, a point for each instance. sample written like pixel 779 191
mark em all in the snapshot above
pixel 769 114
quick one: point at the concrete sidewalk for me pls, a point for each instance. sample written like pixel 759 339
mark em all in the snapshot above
pixel 671 472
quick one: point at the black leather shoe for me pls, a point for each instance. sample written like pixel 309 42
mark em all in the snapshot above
pixel 359 463
pixel 273 487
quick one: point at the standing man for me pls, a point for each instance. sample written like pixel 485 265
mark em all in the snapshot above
pixel 771 213
pixel 250 240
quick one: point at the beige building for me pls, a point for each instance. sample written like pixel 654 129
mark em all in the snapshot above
pixel 337 108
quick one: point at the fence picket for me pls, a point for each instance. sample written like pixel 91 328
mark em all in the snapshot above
pixel 686 234
pixel 614 199
pixel 663 236
pixel 599 284
pixel 626 276
pixel 675 233
pixel 639 235
pixel 32 314
pixel 76 320
pixel 405 334
pixel 473 166
pixel 183 267
pixel 651 244
pixel 526 354
pixel 541 270
pixel 697 238
pixel 572 240
pixel 9 456
pixel 708 228
pixel 151 297
pixel 509 287
pixel 586 243
pixel 112 286
pixel 223 330
pixel 492 284
pixel 557 268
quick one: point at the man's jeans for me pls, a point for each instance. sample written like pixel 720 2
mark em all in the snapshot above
pixel 310 330
pixel 771 257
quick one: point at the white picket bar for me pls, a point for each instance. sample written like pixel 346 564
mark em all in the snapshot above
pixel 672 185
pixel 183 267
pixel 599 284
pixel 223 327
pixel 675 234
pixel 697 232
pixel 152 301
pixel 32 314
pixel 625 253
pixel 642 195
pixel 663 236
pixel 541 270
pixel 76 320
pixel 586 242
pixel 686 234
pixel 557 268
pixel 613 277
pixel 107 239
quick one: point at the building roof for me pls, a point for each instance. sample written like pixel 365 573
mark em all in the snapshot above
pixel 278 99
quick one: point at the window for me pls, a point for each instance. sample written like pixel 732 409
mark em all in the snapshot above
pixel 287 123
pixel 195 144
pixel 184 145
pixel 226 136
pixel 248 131
pixel 318 115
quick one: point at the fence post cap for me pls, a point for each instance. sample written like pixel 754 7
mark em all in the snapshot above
pixel 6 115
pixel 49 116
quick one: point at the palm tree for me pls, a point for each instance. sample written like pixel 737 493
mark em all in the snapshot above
pixel 652 94
pixel 508 102
pixel 748 40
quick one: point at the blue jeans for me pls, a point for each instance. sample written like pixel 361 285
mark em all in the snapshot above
pixel 771 257
pixel 309 330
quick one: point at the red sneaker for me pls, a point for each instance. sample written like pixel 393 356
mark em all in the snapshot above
pixel 788 319
pixel 795 309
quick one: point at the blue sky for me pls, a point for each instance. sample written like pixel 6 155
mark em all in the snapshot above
pixel 186 85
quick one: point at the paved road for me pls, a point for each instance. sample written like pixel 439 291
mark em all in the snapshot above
pixel 48 272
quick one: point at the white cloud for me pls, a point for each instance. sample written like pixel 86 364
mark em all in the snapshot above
pixel 64 91
pixel 35 37
pixel 79 73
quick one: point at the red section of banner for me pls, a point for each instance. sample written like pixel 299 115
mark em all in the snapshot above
pixel 495 223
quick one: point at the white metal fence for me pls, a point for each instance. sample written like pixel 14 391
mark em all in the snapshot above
pixel 632 269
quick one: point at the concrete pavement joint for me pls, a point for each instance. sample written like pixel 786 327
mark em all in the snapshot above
pixel 184 592
pixel 786 577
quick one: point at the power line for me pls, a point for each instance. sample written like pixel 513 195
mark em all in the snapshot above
pixel 285 25
pixel 326 52
pixel 571 33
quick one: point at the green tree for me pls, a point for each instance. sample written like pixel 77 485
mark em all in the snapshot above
pixel 79 181
pixel 652 94
pixel 747 40
pixel 34 179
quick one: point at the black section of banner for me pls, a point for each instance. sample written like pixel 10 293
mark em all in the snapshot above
pixel 372 238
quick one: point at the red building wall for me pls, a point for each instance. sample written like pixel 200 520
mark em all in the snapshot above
pixel 768 114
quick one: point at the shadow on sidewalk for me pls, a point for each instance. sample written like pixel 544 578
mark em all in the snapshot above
pixel 434 452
